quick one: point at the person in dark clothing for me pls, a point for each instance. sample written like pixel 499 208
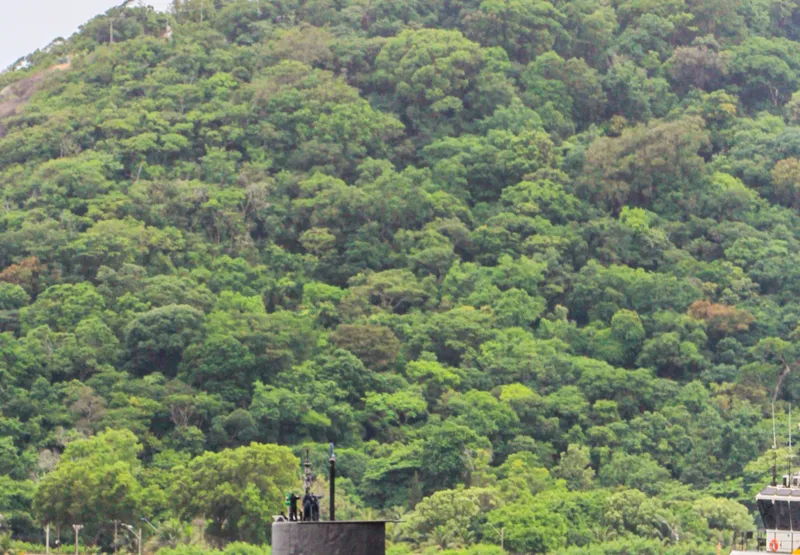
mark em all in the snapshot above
pixel 311 506
pixel 315 507
pixel 293 499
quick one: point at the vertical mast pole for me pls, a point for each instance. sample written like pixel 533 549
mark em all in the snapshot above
pixel 774 449
pixel 332 499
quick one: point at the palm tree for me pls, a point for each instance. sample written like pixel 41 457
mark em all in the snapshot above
pixel 440 537
pixel 170 533
pixel 396 531
pixel 5 545
pixel 466 536
pixel 604 533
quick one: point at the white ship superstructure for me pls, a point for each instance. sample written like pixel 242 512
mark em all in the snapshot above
pixel 779 507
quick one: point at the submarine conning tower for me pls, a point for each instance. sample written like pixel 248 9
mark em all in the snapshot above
pixel 338 537
pixel 310 536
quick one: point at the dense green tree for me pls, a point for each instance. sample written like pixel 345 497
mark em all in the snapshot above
pixel 436 77
pixel 470 162
pixel 95 479
pixel 459 512
pixel 155 340
pixel 766 70
pixel 524 28
pixel 238 489
pixel 570 86
pixel 450 452
pixel 62 306
pixel 531 527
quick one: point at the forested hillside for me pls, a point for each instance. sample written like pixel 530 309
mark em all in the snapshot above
pixel 530 265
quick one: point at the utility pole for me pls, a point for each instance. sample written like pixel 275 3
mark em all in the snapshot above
pixel 136 535
pixel 47 539
pixel 502 534
pixel 116 540
pixel 77 528
pixel 150 524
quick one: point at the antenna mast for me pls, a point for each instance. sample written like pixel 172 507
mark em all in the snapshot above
pixel 308 475
pixel 774 449
pixel 332 485
pixel 790 442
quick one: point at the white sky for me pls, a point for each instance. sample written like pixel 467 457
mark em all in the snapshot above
pixel 26 25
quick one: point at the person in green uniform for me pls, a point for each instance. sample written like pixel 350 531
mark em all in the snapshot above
pixel 291 503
